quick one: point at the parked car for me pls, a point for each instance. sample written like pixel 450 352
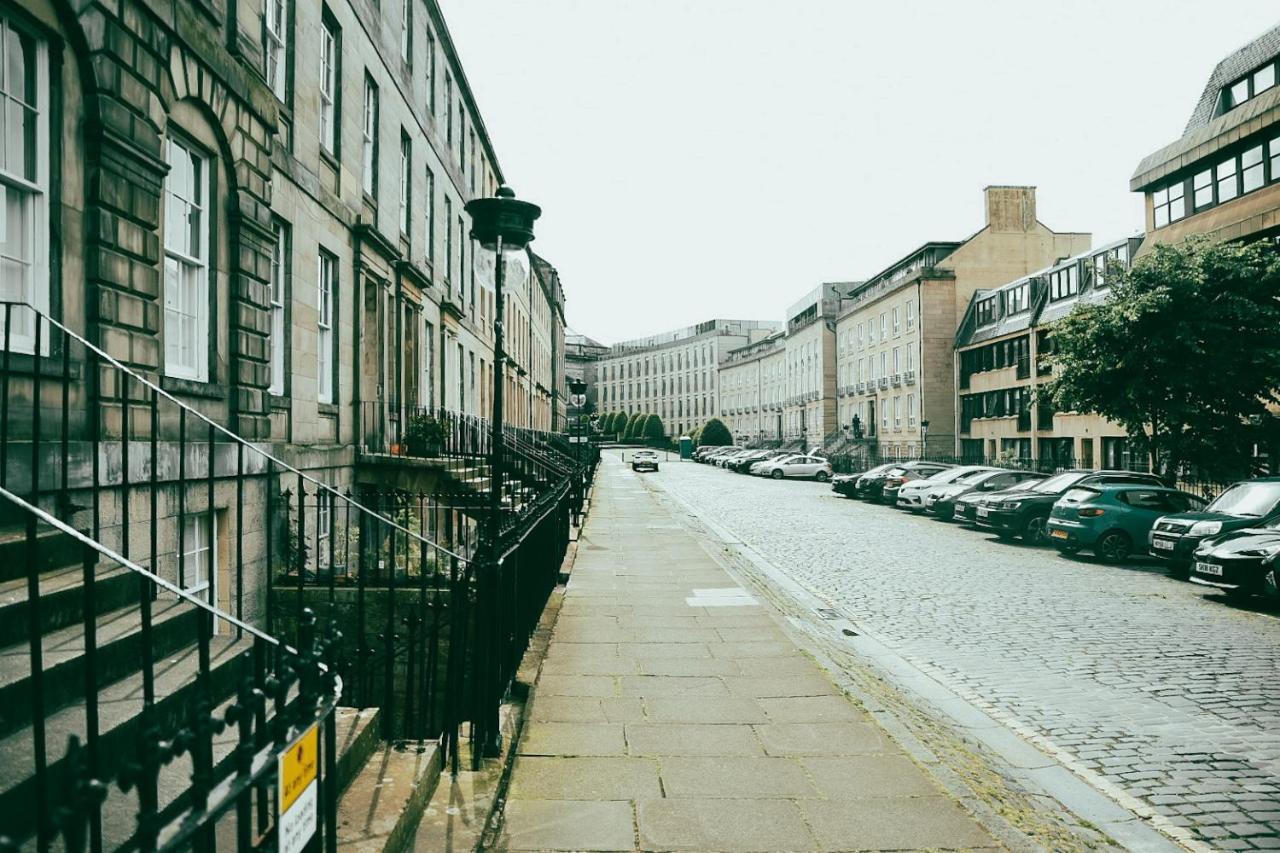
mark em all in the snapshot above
pixel 715 453
pixel 1112 520
pixel 644 460
pixel 944 501
pixel 1242 562
pixel 846 484
pixel 728 459
pixel 872 487
pixel 1024 512
pixel 796 465
pixel 910 495
pixel 743 464
pixel 1252 503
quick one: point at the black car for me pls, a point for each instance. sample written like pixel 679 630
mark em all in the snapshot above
pixel 1024 511
pixel 1242 562
pixel 871 485
pixel 847 484
pixel 1252 503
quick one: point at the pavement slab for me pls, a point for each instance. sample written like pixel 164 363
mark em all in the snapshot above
pixel 674 712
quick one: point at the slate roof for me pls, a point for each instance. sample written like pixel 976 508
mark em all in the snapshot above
pixel 1264 48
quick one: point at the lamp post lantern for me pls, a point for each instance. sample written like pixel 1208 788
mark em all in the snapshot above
pixel 924 438
pixel 499 224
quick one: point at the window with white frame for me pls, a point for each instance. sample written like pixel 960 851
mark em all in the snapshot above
pixel 329 86
pixel 911 314
pixel 406 181
pixel 406 31
pixel 186 262
pixel 326 283
pixel 449 277
pixel 197 563
pixel 884 325
pixel 431 215
pixel 897 413
pixel 911 410
pixel 369 173
pixel 276 14
pixel 279 298
pixel 24 180
pixel 897 324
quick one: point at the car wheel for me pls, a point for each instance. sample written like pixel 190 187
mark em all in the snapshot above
pixel 1033 532
pixel 1114 547
pixel 776 473
pixel 822 476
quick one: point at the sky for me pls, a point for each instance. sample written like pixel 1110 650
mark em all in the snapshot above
pixel 720 158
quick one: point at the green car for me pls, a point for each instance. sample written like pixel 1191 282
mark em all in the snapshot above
pixel 1113 520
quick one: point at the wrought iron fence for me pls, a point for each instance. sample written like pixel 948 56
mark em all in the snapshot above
pixel 164 489
pixel 104 758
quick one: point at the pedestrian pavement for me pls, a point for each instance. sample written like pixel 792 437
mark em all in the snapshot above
pixel 673 712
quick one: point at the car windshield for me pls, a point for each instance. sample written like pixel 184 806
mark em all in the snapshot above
pixel 895 471
pixel 1247 500
pixel 975 476
pixel 1060 483
pixel 1075 496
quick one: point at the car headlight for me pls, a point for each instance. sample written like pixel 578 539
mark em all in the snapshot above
pixel 1205 528
pixel 1265 551
pixel 1010 504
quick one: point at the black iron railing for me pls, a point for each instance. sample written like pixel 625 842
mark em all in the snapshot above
pixel 104 758
pixel 425 593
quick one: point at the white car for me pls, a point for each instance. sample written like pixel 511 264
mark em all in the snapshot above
pixel 796 465
pixel 912 494
pixel 644 460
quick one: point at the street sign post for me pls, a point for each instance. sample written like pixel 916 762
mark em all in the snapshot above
pixel 298 799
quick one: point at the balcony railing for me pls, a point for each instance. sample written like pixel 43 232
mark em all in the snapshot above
pixel 909 377
pixel 895 380
pixel 884 382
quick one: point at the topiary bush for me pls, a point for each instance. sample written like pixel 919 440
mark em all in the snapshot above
pixel 653 428
pixel 714 434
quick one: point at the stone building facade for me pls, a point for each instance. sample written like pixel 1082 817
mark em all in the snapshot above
pixel 809 409
pixel 753 387
pixel 258 206
pixel 898 328
pixel 1002 358
pixel 582 359
pixel 674 374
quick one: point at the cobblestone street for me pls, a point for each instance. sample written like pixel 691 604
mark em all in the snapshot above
pixel 1158 686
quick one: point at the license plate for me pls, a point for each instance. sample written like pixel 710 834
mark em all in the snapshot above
pixel 1058 534
pixel 983 512
pixel 1162 544
pixel 1209 569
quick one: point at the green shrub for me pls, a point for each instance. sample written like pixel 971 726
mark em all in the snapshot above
pixel 653 428
pixel 635 425
pixel 714 434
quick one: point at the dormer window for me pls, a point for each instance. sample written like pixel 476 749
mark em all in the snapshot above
pixel 1015 299
pixel 1249 86
pixel 1064 282
pixel 986 311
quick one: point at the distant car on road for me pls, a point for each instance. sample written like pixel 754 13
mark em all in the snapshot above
pixel 795 465
pixel 644 460
pixel 945 501
pixel 1253 503
pixel 1113 520
pixel 1242 562
pixel 1024 512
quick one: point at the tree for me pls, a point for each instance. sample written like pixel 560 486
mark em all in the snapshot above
pixel 1182 353
pixel 714 434
pixel 606 422
pixel 634 425
pixel 653 428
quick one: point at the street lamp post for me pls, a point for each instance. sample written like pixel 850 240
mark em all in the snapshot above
pixel 499 224
pixel 924 438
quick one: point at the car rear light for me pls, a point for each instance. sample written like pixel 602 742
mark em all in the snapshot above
pixel 1090 512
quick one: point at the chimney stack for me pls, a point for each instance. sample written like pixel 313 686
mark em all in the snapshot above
pixel 1011 208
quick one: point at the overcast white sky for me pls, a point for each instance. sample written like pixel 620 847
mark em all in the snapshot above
pixel 718 158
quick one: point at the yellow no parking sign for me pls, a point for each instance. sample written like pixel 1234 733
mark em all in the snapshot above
pixel 298 799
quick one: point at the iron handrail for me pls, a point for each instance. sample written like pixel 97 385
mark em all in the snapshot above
pixel 212 424
pixel 125 562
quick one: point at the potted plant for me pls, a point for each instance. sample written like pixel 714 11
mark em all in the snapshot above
pixel 423 435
